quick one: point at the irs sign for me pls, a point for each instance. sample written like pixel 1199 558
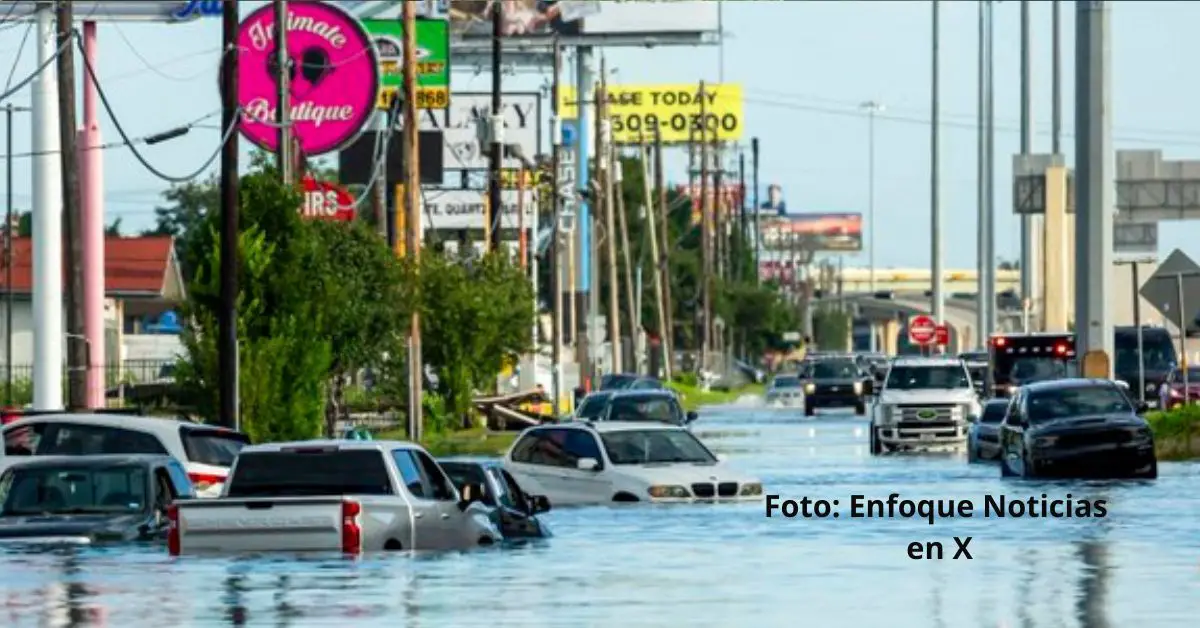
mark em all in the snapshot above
pixel 326 201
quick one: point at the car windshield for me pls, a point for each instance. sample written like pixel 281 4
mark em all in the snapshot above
pixel 1028 370
pixel 835 369
pixel 1062 403
pixel 927 378
pixel 217 447
pixel 786 382
pixel 462 474
pixel 659 408
pixel 592 406
pixel 655 447
pixel 1158 354
pixel 994 412
pixel 100 490
pixel 617 381
pixel 1193 375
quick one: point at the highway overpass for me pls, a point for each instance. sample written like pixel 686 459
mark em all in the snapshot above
pixel 918 280
pixel 889 316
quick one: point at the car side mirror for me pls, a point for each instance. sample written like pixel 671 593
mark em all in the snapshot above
pixel 470 493
pixel 538 504
pixel 691 416
pixel 588 464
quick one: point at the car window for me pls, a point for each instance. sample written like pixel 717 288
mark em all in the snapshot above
pixel 305 472
pixel 835 369
pixel 75 439
pixel 1049 405
pixel 523 451
pixel 462 474
pixel 581 444
pixel 164 489
pixel 217 447
pixel 993 413
pixel 786 382
pixel 660 409
pixel 592 406
pixel 410 473
pixel 512 495
pixel 443 489
pixel 23 440
pixel 647 383
pixel 49 490
pixel 655 446
pixel 927 378
pixel 547 448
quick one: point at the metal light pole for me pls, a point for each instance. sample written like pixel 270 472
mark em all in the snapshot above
pixel 939 304
pixel 871 107
pixel 981 215
pixel 1030 263
pixel 989 288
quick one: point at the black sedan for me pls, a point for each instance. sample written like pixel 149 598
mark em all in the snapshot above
pixel 1076 428
pixel 836 383
pixel 84 500
pixel 983 440
pixel 512 510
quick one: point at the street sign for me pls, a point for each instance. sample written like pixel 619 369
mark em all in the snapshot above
pixel 922 329
pixel 1177 274
pixel 942 335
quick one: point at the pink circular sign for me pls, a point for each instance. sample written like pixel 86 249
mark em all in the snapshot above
pixel 334 74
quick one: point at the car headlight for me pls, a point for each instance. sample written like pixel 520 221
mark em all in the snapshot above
pixel 751 489
pixel 809 388
pixel 858 388
pixel 662 492
pixel 1045 441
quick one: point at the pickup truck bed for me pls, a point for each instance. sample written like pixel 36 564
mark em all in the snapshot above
pixel 269 524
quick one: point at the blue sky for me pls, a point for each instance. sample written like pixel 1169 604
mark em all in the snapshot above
pixel 804 68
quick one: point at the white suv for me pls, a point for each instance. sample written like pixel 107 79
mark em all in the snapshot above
pixel 923 403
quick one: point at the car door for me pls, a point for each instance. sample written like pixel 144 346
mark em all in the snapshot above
pixel 1012 434
pixel 583 486
pixel 456 527
pixel 164 495
pixel 535 462
pixel 425 509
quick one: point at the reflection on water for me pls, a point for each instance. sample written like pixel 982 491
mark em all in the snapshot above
pixel 706 565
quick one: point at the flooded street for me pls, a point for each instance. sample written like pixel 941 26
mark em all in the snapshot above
pixel 700 565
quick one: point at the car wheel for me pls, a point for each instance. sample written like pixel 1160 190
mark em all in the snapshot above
pixel 809 410
pixel 876 447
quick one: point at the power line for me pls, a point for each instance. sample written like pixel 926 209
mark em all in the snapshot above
pixel 143 139
pixel 41 68
pixel 17 59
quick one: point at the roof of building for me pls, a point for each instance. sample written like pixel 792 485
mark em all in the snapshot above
pixel 141 266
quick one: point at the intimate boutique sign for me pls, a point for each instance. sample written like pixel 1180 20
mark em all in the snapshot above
pixel 333 74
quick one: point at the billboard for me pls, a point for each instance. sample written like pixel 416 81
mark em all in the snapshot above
pixel 433 61
pixel 828 233
pixel 462 127
pixel 465 209
pixel 637 112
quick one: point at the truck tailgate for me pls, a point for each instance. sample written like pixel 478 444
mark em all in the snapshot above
pixel 269 524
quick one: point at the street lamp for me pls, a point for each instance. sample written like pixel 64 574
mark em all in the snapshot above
pixel 872 108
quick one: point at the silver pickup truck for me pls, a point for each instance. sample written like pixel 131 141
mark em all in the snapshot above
pixel 327 496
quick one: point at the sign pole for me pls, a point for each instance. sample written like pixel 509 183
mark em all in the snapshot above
pixel 706 235
pixel 282 78
pixel 556 318
pixel 663 257
pixel 1137 324
pixel 496 131
pixel 1183 362
pixel 412 189
pixel 227 345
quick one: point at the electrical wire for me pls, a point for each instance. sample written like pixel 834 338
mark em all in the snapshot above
pixel 150 67
pixel 226 136
pixel 41 68
pixel 20 50
pixel 120 144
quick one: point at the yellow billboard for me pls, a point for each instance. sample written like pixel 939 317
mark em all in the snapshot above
pixel 637 112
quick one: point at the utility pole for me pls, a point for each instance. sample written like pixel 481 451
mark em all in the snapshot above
pixel 1056 79
pixel 1030 264
pixel 72 211
pixel 412 180
pixel 635 314
pixel 935 211
pixel 990 172
pixel 757 233
pixel 283 64
pixel 663 260
pixel 660 304
pixel 496 129
pixel 227 345
pixel 47 290
pixel 556 270
pixel 718 211
pixel 604 171
pixel 706 235
pixel 740 250
pixel 872 108
pixel 8 252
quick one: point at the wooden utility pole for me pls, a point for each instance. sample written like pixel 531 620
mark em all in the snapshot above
pixel 663 259
pixel 631 302
pixel 495 206
pixel 706 236
pixel 720 246
pixel 77 352
pixel 605 170
pixel 656 261
pixel 556 319
pixel 284 110
pixel 227 344
pixel 412 178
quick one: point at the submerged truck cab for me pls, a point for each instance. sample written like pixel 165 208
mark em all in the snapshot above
pixel 1015 360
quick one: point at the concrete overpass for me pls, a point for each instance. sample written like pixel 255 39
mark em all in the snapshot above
pixel 888 318
pixel 918 280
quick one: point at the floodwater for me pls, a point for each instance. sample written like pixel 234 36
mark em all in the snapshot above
pixel 699 565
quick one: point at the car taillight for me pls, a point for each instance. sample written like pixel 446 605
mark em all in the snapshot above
pixel 351 530
pixel 173 540
pixel 204 480
pixel 1060 349
pixel 1177 392
pixel 999 341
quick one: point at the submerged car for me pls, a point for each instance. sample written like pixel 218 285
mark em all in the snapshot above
pixel 656 406
pixel 513 510
pixel 983 438
pixel 1076 428
pixel 84 500
pixel 596 463
pixel 785 390
pixel 836 383
pixel 925 403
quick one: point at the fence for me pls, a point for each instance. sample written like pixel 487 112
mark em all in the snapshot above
pixel 128 372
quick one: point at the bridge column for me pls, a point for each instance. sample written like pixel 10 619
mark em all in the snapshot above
pixel 1058 297
pixel 891 330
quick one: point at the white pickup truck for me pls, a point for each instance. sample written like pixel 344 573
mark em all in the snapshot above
pixel 924 403
pixel 329 496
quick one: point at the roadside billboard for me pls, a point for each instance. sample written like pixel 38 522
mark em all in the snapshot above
pixel 829 233
pixel 637 112
pixel 465 209
pixel 728 200
pixel 433 61
pixel 463 131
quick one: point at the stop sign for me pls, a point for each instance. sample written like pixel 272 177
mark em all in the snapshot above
pixel 922 329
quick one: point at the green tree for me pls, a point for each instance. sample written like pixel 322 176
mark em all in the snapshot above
pixel 831 328
pixel 475 313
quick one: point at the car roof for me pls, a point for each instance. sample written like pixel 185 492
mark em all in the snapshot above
pixel 926 361
pixel 331 444
pixel 146 423
pixel 644 392
pixel 98 460
pixel 1068 384
pixel 617 426
pixel 998 401
pixel 481 461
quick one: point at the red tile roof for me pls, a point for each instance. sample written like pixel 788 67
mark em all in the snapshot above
pixel 131 265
